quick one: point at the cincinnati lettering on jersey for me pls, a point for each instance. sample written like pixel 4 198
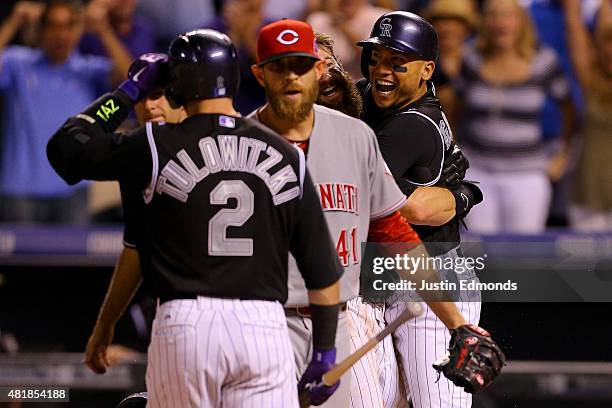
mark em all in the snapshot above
pixel 230 155
pixel 338 197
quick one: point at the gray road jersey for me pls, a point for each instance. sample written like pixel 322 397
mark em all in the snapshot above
pixel 354 186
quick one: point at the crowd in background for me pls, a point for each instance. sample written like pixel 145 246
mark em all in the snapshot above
pixel 527 87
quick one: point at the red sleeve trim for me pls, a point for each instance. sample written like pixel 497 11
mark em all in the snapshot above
pixel 392 228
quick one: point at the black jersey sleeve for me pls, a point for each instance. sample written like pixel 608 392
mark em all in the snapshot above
pixel 86 147
pixel 406 141
pixel 311 243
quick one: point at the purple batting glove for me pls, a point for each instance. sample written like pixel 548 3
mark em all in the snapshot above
pixel 147 74
pixel 322 362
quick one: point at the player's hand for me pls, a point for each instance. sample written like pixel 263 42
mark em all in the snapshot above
pixel 96 351
pixel 147 74
pixel 474 360
pixel 322 362
pixel 455 167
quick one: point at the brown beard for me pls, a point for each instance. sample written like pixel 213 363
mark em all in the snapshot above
pixel 292 112
pixel 351 103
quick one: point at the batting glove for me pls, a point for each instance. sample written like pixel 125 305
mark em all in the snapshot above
pixel 322 362
pixel 147 74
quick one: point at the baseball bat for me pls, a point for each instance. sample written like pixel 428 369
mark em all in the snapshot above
pixel 413 309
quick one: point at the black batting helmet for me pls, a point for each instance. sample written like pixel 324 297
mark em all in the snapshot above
pixel 401 31
pixel 203 65
pixel 138 400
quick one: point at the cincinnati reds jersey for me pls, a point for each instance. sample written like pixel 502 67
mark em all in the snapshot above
pixel 354 186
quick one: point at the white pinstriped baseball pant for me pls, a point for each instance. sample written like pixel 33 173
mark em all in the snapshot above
pixel 211 352
pixel 376 381
pixel 422 340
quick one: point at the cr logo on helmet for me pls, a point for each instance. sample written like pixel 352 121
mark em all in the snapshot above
pixel 385 27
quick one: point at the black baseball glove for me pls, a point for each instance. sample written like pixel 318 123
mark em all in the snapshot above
pixel 474 360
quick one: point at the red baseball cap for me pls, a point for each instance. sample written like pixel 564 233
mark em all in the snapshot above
pixel 285 38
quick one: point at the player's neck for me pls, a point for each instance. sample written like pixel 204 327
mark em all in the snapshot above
pixel 417 95
pixel 223 106
pixel 290 130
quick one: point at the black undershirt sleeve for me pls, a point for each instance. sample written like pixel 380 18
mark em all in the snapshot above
pixel 406 141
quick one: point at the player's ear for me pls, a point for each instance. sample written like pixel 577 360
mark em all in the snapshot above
pixel 320 68
pixel 428 70
pixel 258 74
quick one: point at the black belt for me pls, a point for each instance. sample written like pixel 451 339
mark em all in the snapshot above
pixel 306 312
pixel 177 296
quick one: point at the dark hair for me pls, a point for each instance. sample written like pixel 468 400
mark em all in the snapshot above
pixel 75 5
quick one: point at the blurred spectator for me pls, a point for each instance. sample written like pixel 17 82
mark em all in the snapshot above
pixel 503 84
pixel 295 9
pixel 241 20
pixel 549 21
pixel 135 31
pixel 592 58
pixel 42 86
pixel 455 21
pixel 172 17
pixel 346 22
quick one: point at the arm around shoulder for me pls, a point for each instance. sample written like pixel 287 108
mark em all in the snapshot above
pixel 429 206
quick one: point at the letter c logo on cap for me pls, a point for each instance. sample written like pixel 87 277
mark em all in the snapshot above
pixel 293 37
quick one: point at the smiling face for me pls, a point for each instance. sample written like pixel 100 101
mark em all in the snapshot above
pixel 291 85
pixel 397 78
pixel 336 87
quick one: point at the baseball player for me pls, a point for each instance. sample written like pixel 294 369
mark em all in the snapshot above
pixel 358 196
pixel 416 140
pixel 127 276
pixel 338 91
pixel 226 200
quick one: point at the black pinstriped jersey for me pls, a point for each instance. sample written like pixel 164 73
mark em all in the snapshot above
pixel 225 201
pixel 415 141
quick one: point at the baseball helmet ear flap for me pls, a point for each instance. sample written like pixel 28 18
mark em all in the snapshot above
pixel 366 56
pixel 174 92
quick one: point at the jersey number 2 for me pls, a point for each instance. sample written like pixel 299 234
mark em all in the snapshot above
pixel 218 242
